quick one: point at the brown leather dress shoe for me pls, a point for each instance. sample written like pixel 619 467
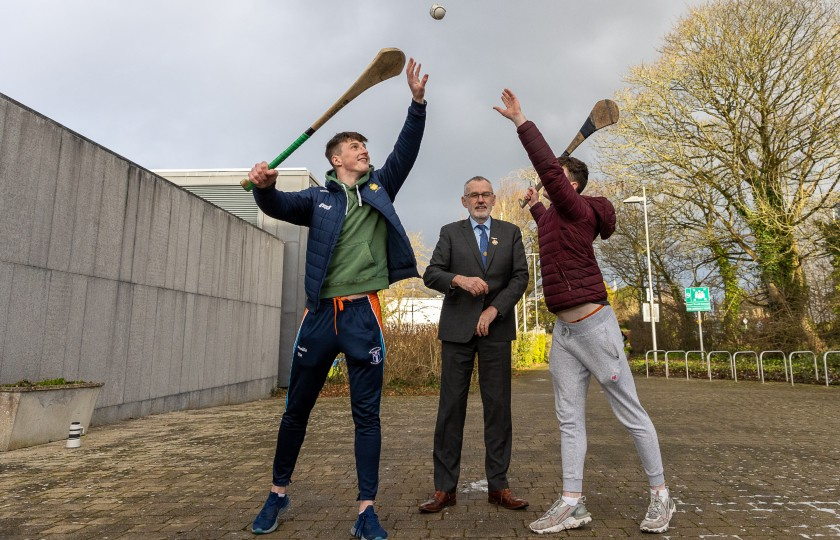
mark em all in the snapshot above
pixel 438 502
pixel 506 499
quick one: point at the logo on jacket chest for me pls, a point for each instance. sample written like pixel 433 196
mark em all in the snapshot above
pixel 325 206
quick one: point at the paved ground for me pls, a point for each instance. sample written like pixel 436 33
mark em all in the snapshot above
pixel 743 460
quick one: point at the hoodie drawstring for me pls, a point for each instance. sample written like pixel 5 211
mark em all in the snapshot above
pixel 347 196
pixel 338 305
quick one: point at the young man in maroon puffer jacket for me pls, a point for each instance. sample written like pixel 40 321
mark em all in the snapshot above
pixel 586 340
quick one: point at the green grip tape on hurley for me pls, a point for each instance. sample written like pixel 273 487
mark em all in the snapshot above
pixel 247 185
pixel 288 151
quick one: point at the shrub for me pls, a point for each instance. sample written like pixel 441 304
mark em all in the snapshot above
pixel 530 349
pixel 413 361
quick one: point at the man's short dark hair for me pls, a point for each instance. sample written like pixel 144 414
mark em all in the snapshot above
pixel 338 138
pixel 578 171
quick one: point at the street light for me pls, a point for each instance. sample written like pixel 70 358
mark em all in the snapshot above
pixel 635 199
pixel 536 306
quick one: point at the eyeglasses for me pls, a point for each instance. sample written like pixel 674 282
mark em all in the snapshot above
pixel 475 196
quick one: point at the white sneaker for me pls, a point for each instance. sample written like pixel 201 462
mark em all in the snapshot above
pixel 659 514
pixel 561 516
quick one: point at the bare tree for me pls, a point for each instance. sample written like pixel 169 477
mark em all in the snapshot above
pixel 398 294
pixel 738 122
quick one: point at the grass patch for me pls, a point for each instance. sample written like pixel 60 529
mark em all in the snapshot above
pixel 47 382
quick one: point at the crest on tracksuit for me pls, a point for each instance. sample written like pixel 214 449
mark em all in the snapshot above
pixel 375 355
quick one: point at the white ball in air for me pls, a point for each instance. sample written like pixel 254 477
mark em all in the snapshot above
pixel 437 11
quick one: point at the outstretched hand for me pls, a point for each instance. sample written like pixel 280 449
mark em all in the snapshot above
pixel 415 82
pixel 512 110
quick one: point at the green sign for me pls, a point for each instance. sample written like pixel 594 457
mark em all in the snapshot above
pixel 697 299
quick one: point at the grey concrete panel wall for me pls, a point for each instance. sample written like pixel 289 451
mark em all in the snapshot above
pixel 115 375
pixel 100 314
pixel 27 317
pixel 66 191
pixel 75 321
pixel 15 202
pixel 55 331
pixel 142 228
pixel 6 272
pixel 110 273
pixel 129 229
pixel 161 360
pixel 206 257
pixel 158 235
pixel 173 386
pixel 111 219
pixel 44 185
pixel 86 219
pixel 194 248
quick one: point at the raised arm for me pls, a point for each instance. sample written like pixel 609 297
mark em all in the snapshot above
pixel 560 192
pixel 399 163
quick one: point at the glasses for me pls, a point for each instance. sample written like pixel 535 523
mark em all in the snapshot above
pixel 485 195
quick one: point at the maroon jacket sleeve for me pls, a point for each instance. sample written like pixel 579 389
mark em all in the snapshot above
pixel 560 192
pixel 537 211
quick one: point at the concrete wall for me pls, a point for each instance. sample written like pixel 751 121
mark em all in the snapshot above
pixel 222 187
pixel 109 273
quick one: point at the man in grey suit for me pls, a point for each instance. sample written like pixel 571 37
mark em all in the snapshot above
pixel 479 265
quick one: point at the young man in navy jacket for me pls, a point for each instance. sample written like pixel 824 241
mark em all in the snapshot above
pixel 356 247
pixel 586 340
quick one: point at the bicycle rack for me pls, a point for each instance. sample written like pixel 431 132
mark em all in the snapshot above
pixel 825 364
pixel 709 360
pixel 790 363
pixel 787 362
pixel 666 360
pixel 735 365
pixel 784 362
pixel 654 351
pixel 686 361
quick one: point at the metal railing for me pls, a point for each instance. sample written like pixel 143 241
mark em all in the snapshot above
pixel 666 360
pixel 647 364
pixel 825 363
pixel 706 360
pixel 709 360
pixel 790 363
pixel 702 360
pixel 784 363
pixel 735 364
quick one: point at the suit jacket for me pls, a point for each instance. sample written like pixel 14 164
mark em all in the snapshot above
pixel 506 276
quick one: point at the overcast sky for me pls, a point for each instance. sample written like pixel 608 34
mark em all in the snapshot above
pixel 177 84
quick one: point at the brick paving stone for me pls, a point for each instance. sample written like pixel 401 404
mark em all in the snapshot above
pixel 743 460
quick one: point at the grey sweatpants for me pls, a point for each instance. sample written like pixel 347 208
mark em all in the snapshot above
pixel 594 346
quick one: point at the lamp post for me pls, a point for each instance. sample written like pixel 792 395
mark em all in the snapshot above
pixel 536 300
pixel 643 201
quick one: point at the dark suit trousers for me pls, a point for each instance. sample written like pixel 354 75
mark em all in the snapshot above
pixel 494 382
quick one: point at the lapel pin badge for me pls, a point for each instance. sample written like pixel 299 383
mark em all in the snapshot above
pixel 494 240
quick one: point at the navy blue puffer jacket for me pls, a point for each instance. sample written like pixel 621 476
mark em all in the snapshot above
pixel 322 209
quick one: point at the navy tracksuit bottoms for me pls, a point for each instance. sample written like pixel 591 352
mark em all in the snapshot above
pixel 352 327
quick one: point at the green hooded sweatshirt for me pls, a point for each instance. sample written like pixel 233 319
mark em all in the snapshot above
pixel 359 261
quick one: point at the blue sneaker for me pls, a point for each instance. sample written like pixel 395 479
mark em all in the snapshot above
pixel 269 517
pixel 367 526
